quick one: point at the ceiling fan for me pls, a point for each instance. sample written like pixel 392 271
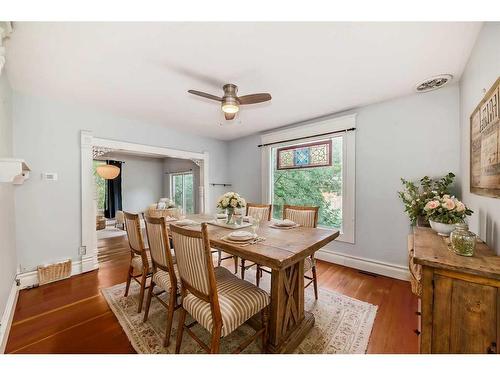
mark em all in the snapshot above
pixel 230 102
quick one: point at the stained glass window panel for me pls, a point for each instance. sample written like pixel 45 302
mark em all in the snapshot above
pixel 305 156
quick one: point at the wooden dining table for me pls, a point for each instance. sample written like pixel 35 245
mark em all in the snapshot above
pixel 283 251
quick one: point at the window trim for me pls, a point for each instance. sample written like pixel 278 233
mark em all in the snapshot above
pixel 348 163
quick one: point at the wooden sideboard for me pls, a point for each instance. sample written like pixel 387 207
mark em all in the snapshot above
pixel 459 310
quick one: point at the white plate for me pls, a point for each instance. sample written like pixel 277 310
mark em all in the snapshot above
pixel 241 235
pixel 284 223
pixel 185 222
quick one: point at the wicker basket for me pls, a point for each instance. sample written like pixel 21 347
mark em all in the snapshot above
pixel 54 272
pixel 171 212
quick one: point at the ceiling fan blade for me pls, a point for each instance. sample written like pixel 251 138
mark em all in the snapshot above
pixel 254 98
pixel 205 95
pixel 229 116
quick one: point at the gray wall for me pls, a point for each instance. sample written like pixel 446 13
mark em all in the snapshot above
pixel 172 165
pixel 142 182
pixel 247 180
pixel 481 71
pixel 8 255
pixel 407 137
pixel 47 135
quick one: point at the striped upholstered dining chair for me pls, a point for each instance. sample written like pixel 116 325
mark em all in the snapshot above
pixel 262 212
pixel 140 260
pixel 165 276
pixel 305 217
pixel 217 299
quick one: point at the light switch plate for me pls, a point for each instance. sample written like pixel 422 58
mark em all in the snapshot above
pixel 82 250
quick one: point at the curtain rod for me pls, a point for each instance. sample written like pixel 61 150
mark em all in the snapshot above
pixel 311 136
pixel 180 172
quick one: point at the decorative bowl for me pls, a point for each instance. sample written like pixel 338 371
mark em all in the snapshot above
pixel 441 228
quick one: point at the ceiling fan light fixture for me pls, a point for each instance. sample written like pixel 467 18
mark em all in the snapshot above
pixel 229 105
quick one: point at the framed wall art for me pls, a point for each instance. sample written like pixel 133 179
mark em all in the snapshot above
pixel 485 145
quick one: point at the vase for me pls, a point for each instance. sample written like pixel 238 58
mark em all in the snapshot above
pixel 230 216
pixel 462 241
pixel 441 228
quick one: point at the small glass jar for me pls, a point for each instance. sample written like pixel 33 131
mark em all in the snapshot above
pixel 462 241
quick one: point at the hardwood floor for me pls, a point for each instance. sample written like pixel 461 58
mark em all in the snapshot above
pixel 71 316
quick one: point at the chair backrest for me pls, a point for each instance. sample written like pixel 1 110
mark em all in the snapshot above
pixel 259 211
pixel 119 217
pixel 134 233
pixel 159 244
pixel 303 215
pixel 194 262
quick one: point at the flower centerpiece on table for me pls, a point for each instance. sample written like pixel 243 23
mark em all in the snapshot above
pixel 229 202
pixel 165 203
pixel 444 212
pixel 416 194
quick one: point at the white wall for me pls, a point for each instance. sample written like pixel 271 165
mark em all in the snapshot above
pixel 407 137
pixel 481 71
pixel 47 134
pixel 8 255
pixel 142 182
pixel 173 165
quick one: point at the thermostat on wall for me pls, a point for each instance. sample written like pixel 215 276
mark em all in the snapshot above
pixel 49 176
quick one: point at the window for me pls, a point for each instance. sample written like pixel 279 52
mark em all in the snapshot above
pixel 313 171
pixel 309 174
pixel 181 191
pixel 100 185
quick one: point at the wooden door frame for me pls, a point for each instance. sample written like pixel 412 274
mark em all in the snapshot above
pixel 88 204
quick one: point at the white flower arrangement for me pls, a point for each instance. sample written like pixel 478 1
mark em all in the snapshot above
pixel 231 200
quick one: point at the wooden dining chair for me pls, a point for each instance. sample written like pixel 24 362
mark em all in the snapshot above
pixel 140 260
pixel 165 276
pixel 213 296
pixel 262 212
pixel 305 217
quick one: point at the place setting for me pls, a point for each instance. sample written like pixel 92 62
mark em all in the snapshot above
pixel 242 238
pixel 283 224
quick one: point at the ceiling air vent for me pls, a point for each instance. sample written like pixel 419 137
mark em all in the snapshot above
pixel 434 83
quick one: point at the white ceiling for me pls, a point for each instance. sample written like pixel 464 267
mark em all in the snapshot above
pixel 143 70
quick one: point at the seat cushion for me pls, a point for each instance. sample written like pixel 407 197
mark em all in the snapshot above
pixel 137 262
pixel 162 278
pixel 308 264
pixel 239 300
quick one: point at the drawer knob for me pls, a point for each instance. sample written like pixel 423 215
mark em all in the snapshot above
pixel 417 332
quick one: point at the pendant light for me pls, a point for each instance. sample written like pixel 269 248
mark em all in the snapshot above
pixel 108 171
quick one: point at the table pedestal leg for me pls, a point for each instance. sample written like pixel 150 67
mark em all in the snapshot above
pixel 289 323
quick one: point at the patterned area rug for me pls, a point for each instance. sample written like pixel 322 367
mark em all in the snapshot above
pixel 343 324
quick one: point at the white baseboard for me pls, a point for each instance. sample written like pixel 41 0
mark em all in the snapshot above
pixel 364 264
pixel 88 263
pixel 7 316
